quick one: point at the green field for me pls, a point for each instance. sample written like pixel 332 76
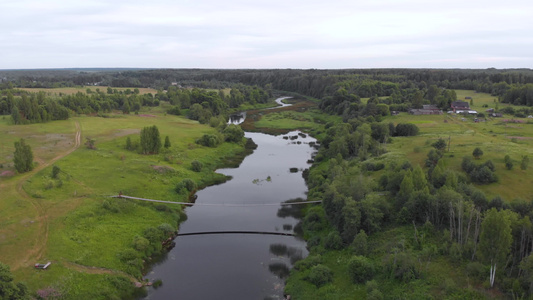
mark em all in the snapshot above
pixel 495 137
pixel 71 221
pixel 83 89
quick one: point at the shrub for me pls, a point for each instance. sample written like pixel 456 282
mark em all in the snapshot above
pixel 320 275
pixel 209 140
pixel 477 153
pixel 406 129
pixel 196 166
pixel 360 243
pixel 440 144
pixel 233 133
pixel 333 241
pixel 174 110
pixel 55 171
pixel 187 184
pixel 360 269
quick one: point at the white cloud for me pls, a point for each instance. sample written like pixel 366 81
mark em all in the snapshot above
pixel 265 34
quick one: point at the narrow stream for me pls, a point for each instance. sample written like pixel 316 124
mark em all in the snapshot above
pixel 241 266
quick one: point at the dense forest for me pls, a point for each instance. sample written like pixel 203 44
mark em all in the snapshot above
pixel 450 217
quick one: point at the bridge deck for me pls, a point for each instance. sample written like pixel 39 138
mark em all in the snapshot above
pixel 217 204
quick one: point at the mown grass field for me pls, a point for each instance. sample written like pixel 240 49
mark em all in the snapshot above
pixel 70 220
pixel 83 89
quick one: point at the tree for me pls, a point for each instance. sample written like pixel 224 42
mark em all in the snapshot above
pixel 23 157
pixel 150 140
pixel 360 269
pixel 440 144
pixel 495 240
pixel 508 162
pixel 477 153
pixel 167 142
pixel 8 289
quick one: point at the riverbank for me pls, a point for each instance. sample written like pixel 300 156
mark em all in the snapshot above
pixel 82 225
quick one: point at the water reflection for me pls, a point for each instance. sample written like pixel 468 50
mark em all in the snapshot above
pixel 279 269
pixel 241 266
pixel 294 211
pixel 237 118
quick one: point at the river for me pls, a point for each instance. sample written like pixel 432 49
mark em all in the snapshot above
pixel 242 265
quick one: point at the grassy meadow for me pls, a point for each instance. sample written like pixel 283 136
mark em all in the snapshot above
pixel 83 89
pixel 71 220
pixel 496 137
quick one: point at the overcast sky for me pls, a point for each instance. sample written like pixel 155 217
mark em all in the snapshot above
pixel 266 34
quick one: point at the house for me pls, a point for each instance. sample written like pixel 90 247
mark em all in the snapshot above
pixel 426 110
pixel 460 105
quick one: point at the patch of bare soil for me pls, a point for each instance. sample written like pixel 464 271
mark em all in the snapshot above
pixel 147 116
pixel 163 169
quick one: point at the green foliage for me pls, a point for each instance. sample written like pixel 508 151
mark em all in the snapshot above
pixel 174 110
pixel 360 243
pixel 477 153
pixel 167 142
pixel 320 275
pixel 508 162
pixel 360 269
pixel 196 166
pixel 524 163
pixel 23 157
pixel 209 140
pixel 55 171
pixel 187 184
pixel 150 140
pixel 481 174
pixel 233 133
pixel 495 239
pixel 10 290
pixel 401 266
pixel 333 241
pixel 406 129
pixel 440 144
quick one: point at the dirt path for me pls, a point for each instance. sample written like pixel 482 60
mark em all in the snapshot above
pixel 36 252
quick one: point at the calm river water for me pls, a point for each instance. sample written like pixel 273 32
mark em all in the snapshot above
pixel 241 266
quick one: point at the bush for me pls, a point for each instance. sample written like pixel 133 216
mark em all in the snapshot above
pixel 308 262
pixel 333 241
pixel 187 184
pixel 360 269
pixel 440 144
pixel 233 133
pixel 360 243
pixel 320 275
pixel 313 221
pixel 196 166
pixel 55 171
pixel 477 153
pixel 174 110
pixel 406 129
pixel 209 140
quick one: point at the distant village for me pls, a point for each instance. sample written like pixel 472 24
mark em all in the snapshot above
pixel 457 107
